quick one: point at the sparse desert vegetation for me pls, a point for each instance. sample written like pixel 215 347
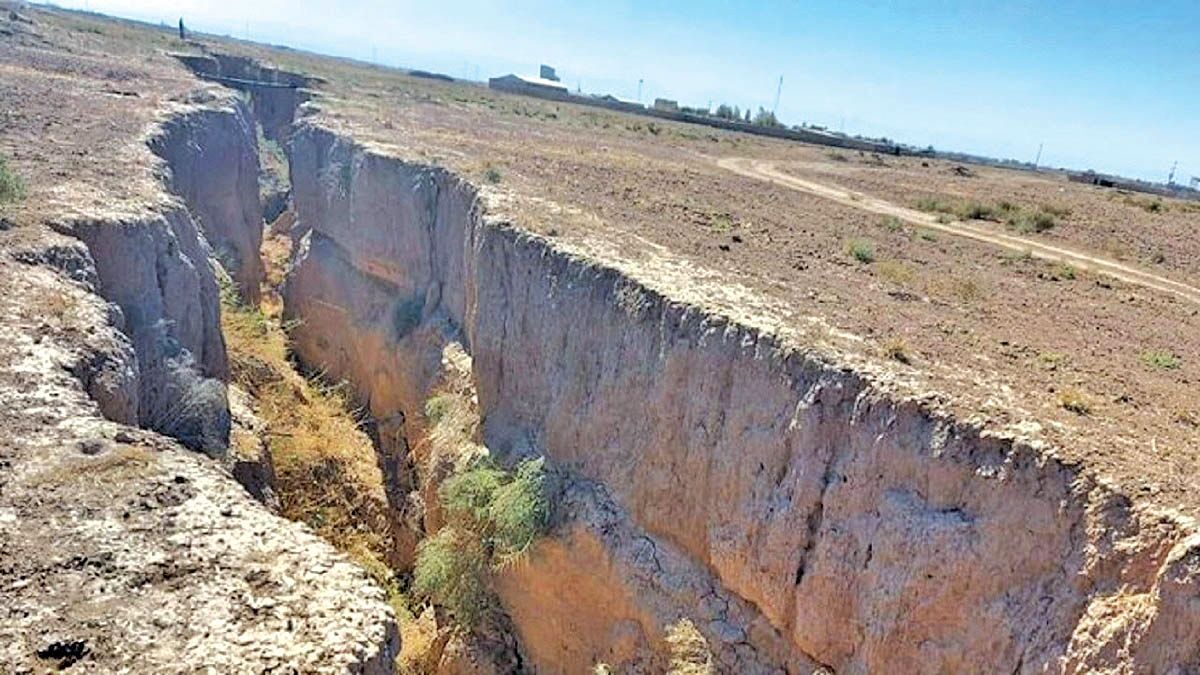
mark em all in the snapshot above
pixel 895 271
pixel 1076 401
pixel 1159 359
pixel 12 187
pixel 493 517
pixel 1147 204
pixel 896 349
pixel 325 465
pixel 1023 219
pixel 860 249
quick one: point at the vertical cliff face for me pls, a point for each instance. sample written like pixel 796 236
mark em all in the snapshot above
pixel 123 551
pixel 156 269
pixel 274 94
pixel 212 157
pixel 367 289
pixel 798 513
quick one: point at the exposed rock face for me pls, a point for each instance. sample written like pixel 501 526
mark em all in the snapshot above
pixel 157 270
pixel 212 155
pixel 795 510
pixel 600 590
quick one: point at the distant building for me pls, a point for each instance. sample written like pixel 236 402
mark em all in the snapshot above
pixel 1092 178
pixel 609 98
pixel 617 103
pixel 547 73
pixel 530 86
pixel 666 105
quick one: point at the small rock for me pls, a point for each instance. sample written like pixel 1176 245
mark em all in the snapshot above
pixel 92 446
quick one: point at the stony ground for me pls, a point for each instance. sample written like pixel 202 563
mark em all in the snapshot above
pixel 121 551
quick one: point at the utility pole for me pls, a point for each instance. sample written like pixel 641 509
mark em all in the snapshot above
pixel 1038 160
pixel 778 91
pixel 1171 176
pixel 640 91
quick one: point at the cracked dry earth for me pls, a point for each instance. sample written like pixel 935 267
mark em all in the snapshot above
pixel 121 550
pixel 822 461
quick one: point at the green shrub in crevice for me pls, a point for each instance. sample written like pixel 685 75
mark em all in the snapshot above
pixel 493 516
pixel 451 570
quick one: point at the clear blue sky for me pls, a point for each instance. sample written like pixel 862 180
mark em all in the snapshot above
pixel 1113 86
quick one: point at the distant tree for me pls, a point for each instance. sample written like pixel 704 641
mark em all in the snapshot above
pixel 747 120
pixel 725 112
pixel 766 118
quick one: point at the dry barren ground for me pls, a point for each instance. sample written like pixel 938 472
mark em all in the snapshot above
pixel 1103 370
pixel 121 550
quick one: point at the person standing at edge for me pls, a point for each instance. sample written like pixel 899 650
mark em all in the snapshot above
pixel 182 32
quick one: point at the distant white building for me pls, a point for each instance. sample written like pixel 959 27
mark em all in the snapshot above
pixel 529 85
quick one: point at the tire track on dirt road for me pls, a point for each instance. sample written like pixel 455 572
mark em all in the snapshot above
pixel 765 170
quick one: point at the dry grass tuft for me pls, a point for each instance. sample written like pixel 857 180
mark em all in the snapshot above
pixel 57 305
pixel 121 464
pixel 897 350
pixel 860 249
pixel 689 650
pixel 1159 359
pixel 12 187
pixel 325 465
pixel 895 271
pixel 965 290
pixel 1074 401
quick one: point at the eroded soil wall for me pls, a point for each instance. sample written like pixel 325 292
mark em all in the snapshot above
pixel 212 155
pixel 797 513
pixel 123 551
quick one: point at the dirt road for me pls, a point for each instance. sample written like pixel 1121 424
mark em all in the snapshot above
pixel 765 170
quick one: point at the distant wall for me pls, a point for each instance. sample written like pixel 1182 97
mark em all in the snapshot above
pixel 802 135
pixel 1106 180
